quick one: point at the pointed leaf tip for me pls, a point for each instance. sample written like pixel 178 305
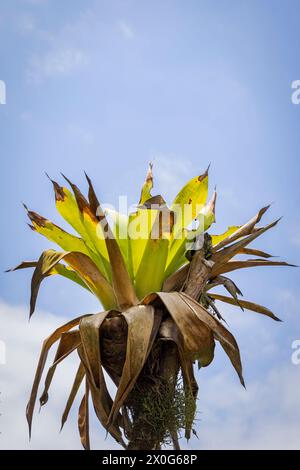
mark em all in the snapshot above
pixel 58 190
pixel 81 201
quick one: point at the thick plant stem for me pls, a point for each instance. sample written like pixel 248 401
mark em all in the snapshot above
pixel 198 275
pixel 145 436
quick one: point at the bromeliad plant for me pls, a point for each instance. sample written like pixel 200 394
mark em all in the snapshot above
pixel 154 277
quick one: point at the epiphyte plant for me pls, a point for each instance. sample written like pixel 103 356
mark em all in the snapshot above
pixel 156 286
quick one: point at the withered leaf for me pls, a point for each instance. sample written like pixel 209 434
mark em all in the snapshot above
pixel 246 304
pixel 74 390
pixel 55 336
pixel 225 338
pixel 69 341
pixel 140 320
pixel 83 419
pixel 90 356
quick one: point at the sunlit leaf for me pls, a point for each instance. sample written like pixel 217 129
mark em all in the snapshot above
pixel 121 281
pixel 82 265
pixel 219 238
pixel 147 186
pixel 151 272
pixel 179 246
pixel 189 201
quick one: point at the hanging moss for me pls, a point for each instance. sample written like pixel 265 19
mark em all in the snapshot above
pixel 161 413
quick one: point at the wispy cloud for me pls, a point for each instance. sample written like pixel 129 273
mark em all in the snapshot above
pixel 83 135
pixel 288 300
pixel 55 63
pixel 126 29
pixel 26 23
pixel 170 173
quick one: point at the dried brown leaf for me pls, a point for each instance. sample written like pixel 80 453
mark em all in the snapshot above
pixel 244 230
pixel 74 390
pixel 197 336
pixel 91 358
pixel 83 419
pixel 246 304
pixel 176 280
pixel 69 341
pixel 234 265
pixel 222 256
pixel 254 252
pixel 225 338
pixel 42 361
pixel 141 321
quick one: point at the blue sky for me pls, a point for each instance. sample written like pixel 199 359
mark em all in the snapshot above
pixel 106 86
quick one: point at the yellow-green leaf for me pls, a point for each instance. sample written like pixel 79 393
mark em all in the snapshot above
pixel 150 274
pixel 147 186
pixel 189 201
pixel 179 245
pixel 121 281
pixel 218 238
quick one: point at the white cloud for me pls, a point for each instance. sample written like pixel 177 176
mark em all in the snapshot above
pixel 267 415
pixel 58 62
pixel 126 29
pixel 23 341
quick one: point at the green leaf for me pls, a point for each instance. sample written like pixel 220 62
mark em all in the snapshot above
pixel 121 281
pixel 82 265
pixel 59 268
pixel 120 232
pixel 147 186
pixel 178 247
pixel 189 201
pixel 150 274
pixel 140 225
pixel 93 234
pixel 219 238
